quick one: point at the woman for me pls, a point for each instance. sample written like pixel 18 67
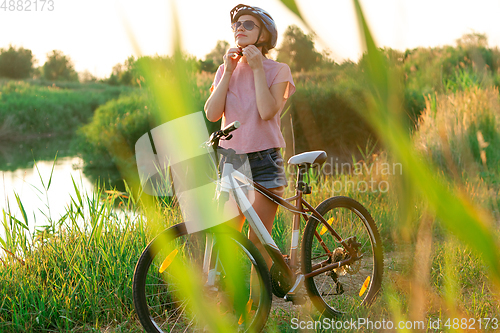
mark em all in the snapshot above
pixel 253 89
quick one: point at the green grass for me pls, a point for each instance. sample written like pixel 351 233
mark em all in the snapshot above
pixel 76 272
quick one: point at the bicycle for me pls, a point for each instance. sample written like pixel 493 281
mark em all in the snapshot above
pixel 341 263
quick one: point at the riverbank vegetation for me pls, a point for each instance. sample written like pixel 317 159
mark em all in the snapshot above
pixel 32 109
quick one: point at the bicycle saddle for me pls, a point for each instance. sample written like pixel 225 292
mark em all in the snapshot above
pixel 317 157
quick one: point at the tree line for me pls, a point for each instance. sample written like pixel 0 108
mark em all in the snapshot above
pixel 19 63
pixel 425 69
pixel 297 50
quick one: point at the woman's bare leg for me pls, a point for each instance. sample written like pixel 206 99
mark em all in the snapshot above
pixel 266 209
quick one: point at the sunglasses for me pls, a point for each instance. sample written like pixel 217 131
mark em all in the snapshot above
pixel 248 25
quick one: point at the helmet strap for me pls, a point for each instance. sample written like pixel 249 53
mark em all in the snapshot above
pixel 257 44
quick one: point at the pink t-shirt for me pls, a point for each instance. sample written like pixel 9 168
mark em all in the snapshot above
pixel 254 134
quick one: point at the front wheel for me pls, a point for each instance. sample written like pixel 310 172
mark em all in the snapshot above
pixel 343 289
pixel 172 294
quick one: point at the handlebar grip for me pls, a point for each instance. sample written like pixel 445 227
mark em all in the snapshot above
pixel 231 127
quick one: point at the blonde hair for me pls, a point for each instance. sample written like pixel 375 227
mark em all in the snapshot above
pixel 267 37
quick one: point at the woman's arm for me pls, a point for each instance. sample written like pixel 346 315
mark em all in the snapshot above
pixel 216 103
pixel 269 100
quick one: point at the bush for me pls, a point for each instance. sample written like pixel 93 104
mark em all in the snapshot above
pixel 16 64
pixel 59 67
pixel 461 131
pixel 328 107
pixel 116 126
pixel 429 70
pixel 325 117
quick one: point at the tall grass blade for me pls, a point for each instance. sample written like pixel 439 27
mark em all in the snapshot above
pixel 79 197
pixel 52 172
pixel 21 207
pixel 18 222
pixel 284 112
pixel 294 8
pixel 39 174
pixel 97 225
pixel 129 31
pixel 5 228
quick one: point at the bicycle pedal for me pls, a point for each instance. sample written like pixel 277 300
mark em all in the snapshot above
pixel 296 298
pixel 212 291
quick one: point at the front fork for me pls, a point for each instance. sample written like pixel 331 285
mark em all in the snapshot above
pixel 211 263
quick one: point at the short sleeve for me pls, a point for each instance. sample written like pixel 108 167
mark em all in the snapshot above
pixel 285 75
pixel 218 77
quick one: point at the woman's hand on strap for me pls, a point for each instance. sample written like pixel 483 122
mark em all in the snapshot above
pixel 254 57
pixel 231 59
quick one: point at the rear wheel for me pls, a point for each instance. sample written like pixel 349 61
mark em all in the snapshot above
pixel 172 262
pixel 344 289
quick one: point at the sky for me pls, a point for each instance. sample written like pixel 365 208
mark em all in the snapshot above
pixel 98 34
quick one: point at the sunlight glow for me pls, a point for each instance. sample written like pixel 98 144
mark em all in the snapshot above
pixel 93 33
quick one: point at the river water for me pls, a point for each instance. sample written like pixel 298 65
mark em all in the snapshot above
pixel 30 184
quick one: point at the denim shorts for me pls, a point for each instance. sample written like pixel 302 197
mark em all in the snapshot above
pixel 266 167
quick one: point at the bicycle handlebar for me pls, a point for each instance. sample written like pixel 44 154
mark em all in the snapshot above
pixel 217 135
pixel 231 127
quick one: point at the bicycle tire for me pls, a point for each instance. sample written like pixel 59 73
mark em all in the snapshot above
pixel 155 296
pixel 341 291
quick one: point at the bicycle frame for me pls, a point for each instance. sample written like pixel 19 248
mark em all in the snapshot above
pixel 227 258
pixel 229 183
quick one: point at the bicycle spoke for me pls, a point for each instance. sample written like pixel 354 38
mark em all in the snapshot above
pixel 155 284
pixel 189 324
pixel 155 306
pixel 175 311
pixel 180 315
pixel 163 293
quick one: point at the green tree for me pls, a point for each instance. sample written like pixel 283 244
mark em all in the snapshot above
pixel 298 50
pixel 16 64
pixel 86 77
pixel 123 74
pixel 214 58
pixel 473 39
pixel 59 67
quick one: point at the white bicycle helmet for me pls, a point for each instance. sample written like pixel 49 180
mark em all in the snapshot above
pixel 263 17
